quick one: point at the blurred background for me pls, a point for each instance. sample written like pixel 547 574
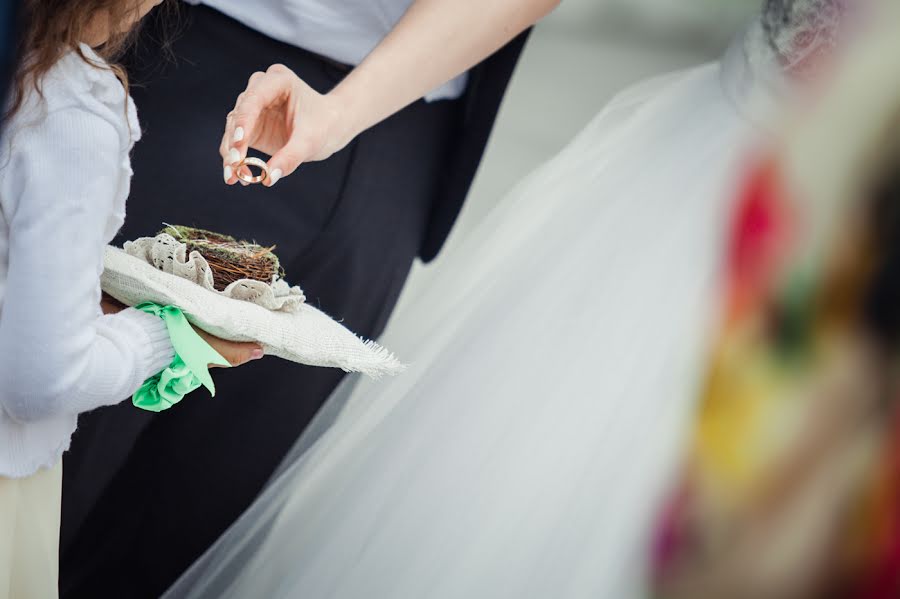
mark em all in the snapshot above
pixel 577 59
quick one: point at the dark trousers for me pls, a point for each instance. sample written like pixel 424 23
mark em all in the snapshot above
pixel 143 494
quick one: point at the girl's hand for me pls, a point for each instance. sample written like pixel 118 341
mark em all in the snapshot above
pixel 110 305
pixel 280 115
pixel 235 353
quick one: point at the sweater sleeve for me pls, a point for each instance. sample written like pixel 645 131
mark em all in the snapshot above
pixel 58 353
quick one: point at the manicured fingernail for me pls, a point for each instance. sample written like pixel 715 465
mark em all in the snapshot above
pixel 256 354
pixel 239 134
pixel 275 175
pixel 244 183
pixel 234 156
pixel 228 173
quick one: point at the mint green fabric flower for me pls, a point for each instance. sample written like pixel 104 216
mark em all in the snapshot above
pixel 188 370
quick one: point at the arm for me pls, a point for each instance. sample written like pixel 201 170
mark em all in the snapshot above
pixel 435 41
pixel 59 353
pixel 234 352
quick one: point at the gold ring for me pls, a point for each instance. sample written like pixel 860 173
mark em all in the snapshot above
pixel 248 162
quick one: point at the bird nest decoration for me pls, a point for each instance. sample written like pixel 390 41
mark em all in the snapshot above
pixel 229 260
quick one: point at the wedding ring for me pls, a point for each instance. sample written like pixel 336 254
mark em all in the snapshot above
pixel 248 162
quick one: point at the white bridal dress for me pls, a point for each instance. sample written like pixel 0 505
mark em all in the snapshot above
pixel 554 367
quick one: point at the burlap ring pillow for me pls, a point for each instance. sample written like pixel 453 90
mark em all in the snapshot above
pixel 161 270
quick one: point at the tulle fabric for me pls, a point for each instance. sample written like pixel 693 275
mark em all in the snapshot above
pixel 555 362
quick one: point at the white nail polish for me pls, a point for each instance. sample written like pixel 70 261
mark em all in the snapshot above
pixel 228 173
pixel 275 175
pixel 244 183
pixel 234 156
pixel 239 134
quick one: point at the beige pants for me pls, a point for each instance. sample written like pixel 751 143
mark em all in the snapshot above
pixel 29 535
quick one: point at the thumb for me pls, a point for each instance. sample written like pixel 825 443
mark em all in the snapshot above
pixel 286 160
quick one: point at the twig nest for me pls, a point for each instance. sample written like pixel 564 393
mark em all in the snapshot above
pixel 229 260
pixel 220 263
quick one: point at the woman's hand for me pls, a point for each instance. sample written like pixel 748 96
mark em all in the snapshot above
pixel 280 115
pixel 435 41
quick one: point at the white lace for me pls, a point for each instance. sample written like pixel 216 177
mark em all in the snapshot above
pixel 799 29
pixel 171 256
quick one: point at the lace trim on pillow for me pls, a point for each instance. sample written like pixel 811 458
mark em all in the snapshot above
pixel 169 255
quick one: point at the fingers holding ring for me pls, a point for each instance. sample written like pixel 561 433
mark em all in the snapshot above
pixel 245 173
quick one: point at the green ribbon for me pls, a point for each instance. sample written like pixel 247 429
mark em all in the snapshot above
pixel 188 371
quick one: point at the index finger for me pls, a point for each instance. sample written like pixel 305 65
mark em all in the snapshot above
pixel 263 90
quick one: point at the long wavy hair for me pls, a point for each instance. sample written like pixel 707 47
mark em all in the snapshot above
pixel 50 28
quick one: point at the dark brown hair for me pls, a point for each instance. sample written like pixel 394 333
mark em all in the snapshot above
pixel 51 28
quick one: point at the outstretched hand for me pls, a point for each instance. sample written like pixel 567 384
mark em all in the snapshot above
pixel 280 115
pixel 434 41
pixel 235 353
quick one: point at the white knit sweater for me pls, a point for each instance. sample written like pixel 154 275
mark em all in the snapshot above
pixel 64 178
